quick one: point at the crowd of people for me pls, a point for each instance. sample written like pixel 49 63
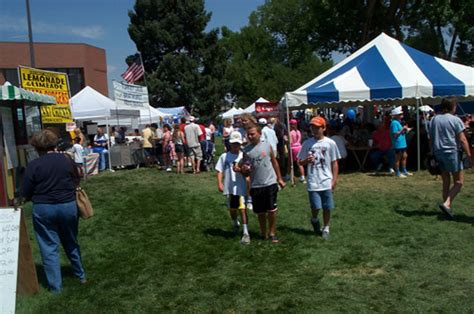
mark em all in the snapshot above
pixel 250 172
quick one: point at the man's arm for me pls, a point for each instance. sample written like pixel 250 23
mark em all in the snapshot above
pixel 465 145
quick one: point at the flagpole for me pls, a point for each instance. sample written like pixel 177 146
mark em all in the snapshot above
pixel 146 83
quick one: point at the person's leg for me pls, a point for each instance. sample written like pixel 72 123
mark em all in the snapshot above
pixel 404 164
pixel 316 205
pixel 68 229
pixel 102 161
pixel 391 159
pixel 262 222
pixel 328 205
pixel 458 180
pixel 398 161
pixel 243 214
pixel 199 155
pixel 446 177
pixel 48 241
pixel 375 157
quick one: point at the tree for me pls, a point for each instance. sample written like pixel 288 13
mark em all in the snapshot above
pixel 180 59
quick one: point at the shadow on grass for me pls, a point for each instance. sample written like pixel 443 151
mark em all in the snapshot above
pixel 299 231
pixel 214 232
pixel 440 216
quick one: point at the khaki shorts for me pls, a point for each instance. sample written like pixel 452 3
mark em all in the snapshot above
pixel 195 152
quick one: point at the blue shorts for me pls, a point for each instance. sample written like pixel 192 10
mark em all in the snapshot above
pixel 449 161
pixel 321 199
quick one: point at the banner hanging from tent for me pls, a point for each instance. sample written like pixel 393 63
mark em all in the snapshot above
pixel 54 84
pixel 130 95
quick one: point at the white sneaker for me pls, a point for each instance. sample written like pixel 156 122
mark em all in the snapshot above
pixel 302 179
pixel 168 169
pixel 245 239
pixel 325 234
pixel 401 176
pixel 408 174
pixel 249 206
pixel 391 171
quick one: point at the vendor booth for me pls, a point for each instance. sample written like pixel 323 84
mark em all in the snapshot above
pixel 15 130
pixel 91 105
pixel 389 72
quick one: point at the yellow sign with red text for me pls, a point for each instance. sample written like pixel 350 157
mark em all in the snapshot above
pixel 54 84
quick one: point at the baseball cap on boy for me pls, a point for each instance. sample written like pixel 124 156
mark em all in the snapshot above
pixel 235 137
pixel 262 121
pixel 318 121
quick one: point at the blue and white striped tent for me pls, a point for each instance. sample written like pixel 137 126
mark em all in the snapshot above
pixel 386 70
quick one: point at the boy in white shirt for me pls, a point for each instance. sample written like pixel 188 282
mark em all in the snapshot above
pixel 78 151
pixel 320 154
pixel 234 185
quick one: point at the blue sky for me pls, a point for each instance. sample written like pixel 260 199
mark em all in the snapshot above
pixel 101 23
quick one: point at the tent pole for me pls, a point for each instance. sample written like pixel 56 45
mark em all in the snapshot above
pixel 418 144
pixel 290 155
pixel 108 144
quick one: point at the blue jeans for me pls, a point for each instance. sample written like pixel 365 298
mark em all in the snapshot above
pixel 376 157
pixel 56 224
pixel 102 157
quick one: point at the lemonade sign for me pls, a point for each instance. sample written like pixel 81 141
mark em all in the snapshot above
pixel 54 84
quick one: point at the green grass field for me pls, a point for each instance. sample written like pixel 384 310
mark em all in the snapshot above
pixel 164 243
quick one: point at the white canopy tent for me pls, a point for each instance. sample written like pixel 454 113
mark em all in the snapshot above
pixel 89 104
pixel 147 115
pixel 251 108
pixel 229 114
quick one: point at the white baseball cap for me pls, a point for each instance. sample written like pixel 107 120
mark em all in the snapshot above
pixel 235 137
pixel 397 111
pixel 262 121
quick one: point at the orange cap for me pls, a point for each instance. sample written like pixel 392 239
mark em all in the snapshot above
pixel 318 121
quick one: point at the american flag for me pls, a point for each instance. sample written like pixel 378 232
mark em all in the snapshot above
pixel 134 72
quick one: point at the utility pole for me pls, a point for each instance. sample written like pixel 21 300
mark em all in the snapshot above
pixel 30 35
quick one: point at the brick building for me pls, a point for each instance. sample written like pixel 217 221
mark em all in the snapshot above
pixel 85 64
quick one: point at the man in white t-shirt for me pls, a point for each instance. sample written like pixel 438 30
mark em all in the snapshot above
pixel 234 186
pixel 268 135
pixel 320 154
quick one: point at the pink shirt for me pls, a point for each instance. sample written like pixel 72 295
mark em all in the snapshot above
pixel 295 136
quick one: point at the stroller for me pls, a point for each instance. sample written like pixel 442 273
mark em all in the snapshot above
pixel 208 152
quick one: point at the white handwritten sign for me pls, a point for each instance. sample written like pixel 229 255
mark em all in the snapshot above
pixel 9 244
pixel 130 95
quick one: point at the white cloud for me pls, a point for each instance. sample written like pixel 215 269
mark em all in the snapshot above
pixel 91 32
pixel 111 69
pixel 9 24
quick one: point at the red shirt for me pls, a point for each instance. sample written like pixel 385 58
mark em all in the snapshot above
pixel 382 139
pixel 181 127
pixel 203 136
